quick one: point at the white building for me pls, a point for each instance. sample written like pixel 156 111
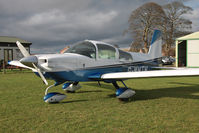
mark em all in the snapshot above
pixel 187 50
pixel 9 50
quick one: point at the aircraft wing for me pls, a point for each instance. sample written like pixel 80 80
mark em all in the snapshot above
pixel 19 64
pixel 155 73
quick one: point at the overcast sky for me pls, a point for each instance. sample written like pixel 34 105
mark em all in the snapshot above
pixel 52 24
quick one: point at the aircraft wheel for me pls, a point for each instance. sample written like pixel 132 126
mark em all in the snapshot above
pixel 124 99
pixel 54 97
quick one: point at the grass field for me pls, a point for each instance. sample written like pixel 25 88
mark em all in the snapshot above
pixel 165 105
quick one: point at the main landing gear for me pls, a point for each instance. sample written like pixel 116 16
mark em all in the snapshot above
pixel 123 94
pixel 71 87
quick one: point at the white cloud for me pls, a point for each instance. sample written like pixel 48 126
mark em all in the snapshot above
pixel 44 18
pixel 51 24
pixel 194 17
pixel 70 20
pixel 56 25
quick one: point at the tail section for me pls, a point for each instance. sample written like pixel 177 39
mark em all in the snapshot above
pixel 155 50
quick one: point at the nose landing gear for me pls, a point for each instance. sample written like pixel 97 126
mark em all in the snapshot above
pixel 53 97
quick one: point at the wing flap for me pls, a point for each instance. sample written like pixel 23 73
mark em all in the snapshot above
pixel 156 73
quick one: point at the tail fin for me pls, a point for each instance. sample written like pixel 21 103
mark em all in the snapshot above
pixel 155 50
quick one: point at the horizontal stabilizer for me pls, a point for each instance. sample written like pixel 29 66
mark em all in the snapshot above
pixel 156 73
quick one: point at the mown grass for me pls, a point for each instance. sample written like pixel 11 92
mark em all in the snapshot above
pixel 160 105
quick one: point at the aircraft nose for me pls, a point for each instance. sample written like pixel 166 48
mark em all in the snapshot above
pixel 29 60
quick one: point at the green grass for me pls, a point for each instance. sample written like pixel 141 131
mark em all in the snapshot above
pixel 164 105
pixel 12 71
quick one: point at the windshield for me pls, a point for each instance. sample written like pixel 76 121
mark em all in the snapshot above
pixel 83 48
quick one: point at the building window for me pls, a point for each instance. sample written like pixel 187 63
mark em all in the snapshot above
pixel 19 54
pixel 8 55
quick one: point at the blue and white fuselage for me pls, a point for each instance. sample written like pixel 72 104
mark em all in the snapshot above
pixel 91 61
pixel 96 61
pixel 88 60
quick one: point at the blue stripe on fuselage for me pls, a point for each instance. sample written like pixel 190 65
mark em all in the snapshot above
pixel 84 74
pixel 80 75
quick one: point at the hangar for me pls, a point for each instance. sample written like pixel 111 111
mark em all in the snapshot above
pixel 187 50
pixel 9 50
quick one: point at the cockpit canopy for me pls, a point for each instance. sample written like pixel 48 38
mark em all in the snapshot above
pixel 83 48
pixel 99 51
pixel 106 51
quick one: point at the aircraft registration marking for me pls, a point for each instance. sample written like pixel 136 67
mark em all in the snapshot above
pixel 137 68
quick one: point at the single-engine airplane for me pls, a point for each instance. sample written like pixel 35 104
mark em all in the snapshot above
pixel 97 61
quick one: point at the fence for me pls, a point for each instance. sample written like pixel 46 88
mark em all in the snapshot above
pixel 4 65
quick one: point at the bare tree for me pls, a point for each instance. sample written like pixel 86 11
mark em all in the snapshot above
pixel 174 24
pixel 143 21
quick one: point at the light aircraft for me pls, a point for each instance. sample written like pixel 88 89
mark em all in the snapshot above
pixel 97 61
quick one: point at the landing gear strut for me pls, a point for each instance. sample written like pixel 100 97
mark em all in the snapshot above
pixel 123 94
pixel 53 97
pixel 46 92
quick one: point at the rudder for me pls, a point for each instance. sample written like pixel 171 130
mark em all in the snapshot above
pixel 155 50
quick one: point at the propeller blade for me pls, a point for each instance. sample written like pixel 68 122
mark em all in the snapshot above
pixel 30 59
pixel 22 49
pixel 40 74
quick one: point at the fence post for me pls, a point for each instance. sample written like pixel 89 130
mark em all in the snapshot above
pixel 4 70
pixel 1 67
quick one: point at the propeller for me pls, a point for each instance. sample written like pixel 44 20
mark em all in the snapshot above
pixel 27 55
pixel 40 74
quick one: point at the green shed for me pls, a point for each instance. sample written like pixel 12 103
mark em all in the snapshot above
pixel 187 50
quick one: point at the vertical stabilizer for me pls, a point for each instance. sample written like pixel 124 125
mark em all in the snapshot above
pixel 155 50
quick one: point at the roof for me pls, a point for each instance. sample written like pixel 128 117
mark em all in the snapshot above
pixel 12 39
pixel 193 36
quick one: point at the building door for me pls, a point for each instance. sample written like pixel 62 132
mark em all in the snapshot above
pixel 182 52
pixel 8 55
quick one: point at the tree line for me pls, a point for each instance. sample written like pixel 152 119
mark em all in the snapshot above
pixel 167 18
